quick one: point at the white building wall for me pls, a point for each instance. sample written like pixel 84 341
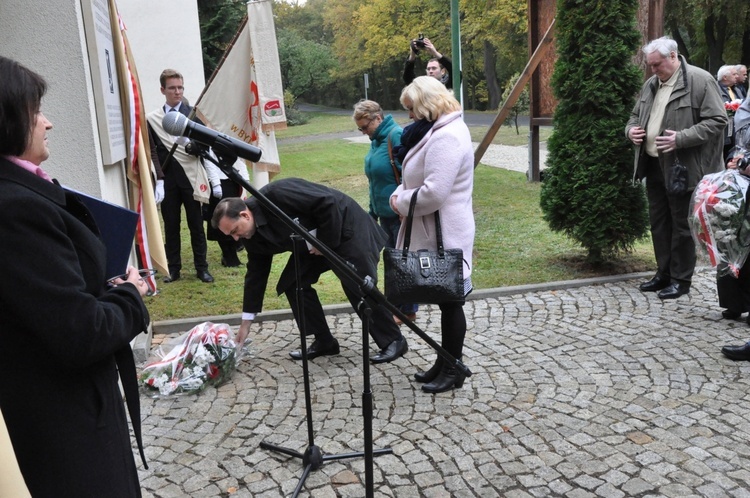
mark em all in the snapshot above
pixel 164 34
pixel 47 37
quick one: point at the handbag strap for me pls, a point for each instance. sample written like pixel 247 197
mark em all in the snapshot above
pixel 393 163
pixel 410 219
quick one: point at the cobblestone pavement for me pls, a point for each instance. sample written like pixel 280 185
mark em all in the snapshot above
pixel 591 391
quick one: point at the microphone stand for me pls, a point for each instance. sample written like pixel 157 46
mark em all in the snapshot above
pixel 371 297
pixel 313 457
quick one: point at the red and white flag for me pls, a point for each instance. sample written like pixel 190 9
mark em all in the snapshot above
pixel 245 98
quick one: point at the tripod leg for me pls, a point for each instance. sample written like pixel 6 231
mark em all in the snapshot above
pixel 367 401
pixel 279 449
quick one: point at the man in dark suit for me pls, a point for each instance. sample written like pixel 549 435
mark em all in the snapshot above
pixel 336 220
pixel 185 183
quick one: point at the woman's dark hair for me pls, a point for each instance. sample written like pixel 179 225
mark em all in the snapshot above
pixel 21 92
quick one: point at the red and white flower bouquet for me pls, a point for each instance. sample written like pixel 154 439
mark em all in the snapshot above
pixel 719 220
pixel 205 356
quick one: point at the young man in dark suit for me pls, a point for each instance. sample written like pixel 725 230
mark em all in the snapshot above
pixel 185 183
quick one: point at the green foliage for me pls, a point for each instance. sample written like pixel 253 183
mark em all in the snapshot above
pixel 306 66
pixel 293 116
pixel 219 22
pixel 710 33
pixel 588 192
pixel 332 43
pixel 522 104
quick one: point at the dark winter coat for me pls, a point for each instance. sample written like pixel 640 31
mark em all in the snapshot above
pixel 63 336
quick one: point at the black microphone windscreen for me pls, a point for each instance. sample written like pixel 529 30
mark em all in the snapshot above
pixel 174 123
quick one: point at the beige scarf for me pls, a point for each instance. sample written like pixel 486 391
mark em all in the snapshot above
pixel 194 170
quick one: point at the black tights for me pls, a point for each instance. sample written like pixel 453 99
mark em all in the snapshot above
pixel 453 326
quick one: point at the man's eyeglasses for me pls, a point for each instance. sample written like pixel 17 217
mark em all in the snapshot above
pixel 363 128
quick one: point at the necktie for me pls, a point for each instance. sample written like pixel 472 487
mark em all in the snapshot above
pixel 173 109
pixel 731 93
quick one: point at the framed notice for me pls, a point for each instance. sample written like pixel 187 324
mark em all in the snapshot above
pixel 101 51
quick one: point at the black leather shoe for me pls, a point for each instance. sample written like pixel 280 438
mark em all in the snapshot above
pixel 731 314
pixel 317 349
pixel 737 353
pixel 175 275
pixel 204 276
pixel 655 284
pixel 673 291
pixel 396 349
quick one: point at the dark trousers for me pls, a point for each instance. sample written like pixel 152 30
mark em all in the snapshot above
pixel 226 243
pixel 383 329
pixel 734 293
pixel 178 193
pixel 453 328
pixel 673 244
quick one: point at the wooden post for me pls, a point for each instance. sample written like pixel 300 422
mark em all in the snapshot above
pixel 515 92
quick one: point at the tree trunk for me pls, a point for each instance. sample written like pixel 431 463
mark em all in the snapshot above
pixel 715 28
pixel 745 56
pixel 681 45
pixel 490 75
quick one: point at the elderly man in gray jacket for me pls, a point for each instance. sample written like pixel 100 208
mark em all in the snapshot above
pixel 677 127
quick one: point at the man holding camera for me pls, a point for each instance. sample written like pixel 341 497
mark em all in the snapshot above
pixel 439 66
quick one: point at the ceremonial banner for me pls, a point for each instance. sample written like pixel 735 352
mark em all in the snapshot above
pixel 244 98
pixel 266 64
pixel 140 171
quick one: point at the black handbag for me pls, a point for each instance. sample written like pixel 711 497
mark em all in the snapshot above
pixel 423 276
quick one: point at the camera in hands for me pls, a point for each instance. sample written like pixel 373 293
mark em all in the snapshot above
pixel 419 42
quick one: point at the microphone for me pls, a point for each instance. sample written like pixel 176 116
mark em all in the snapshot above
pixel 177 124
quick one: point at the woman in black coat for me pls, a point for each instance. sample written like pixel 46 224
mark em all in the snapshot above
pixel 64 332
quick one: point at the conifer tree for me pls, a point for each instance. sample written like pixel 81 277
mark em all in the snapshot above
pixel 588 192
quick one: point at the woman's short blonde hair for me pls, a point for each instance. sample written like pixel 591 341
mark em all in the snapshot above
pixel 429 98
pixel 367 109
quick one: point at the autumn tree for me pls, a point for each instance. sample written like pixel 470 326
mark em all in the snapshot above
pixel 522 103
pixel 588 192
pixel 496 32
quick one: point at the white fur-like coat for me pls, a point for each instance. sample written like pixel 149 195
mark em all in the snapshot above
pixel 442 164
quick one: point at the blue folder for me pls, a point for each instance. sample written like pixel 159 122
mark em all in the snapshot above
pixel 116 228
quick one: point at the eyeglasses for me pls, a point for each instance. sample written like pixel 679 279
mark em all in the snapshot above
pixel 363 128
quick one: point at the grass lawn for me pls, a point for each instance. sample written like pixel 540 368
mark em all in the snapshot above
pixel 513 244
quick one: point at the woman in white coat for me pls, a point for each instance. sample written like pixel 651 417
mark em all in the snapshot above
pixel 438 159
